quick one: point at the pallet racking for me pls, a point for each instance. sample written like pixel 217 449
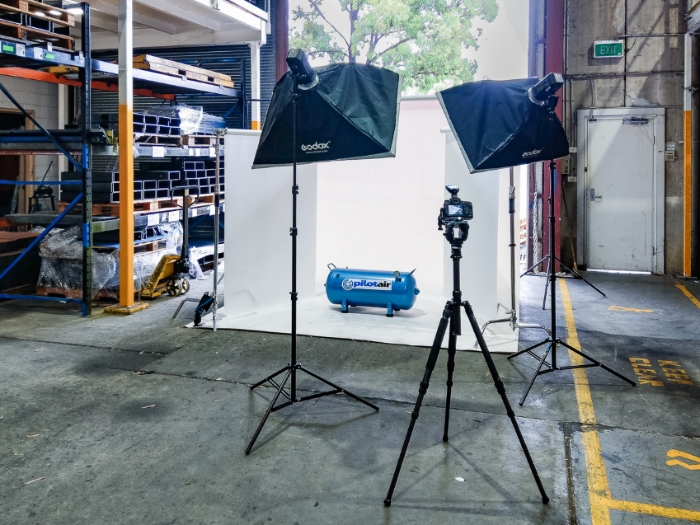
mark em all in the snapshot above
pixel 29 60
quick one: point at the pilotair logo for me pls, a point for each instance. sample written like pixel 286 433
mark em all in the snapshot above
pixel 531 153
pixel 316 147
pixel 363 284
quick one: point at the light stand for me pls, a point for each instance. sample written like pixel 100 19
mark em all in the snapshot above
pixel 456 233
pixel 552 341
pixel 301 72
pixel 511 312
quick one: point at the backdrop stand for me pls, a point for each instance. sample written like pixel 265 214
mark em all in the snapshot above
pixel 511 312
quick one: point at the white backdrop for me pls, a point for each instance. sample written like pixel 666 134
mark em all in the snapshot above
pixel 373 214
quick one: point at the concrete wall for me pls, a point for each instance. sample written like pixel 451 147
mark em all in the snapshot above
pixel 42 98
pixel 649 75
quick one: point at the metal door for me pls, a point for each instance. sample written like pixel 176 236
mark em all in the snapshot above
pixel 620 203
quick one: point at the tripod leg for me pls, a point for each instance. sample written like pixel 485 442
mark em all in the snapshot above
pixel 601 365
pixel 550 269
pixel 256 385
pixel 527 350
pixel 537 373
pixel 451 350
pixel 425 383
pixel 341 390
pixel 268 411
pixel 534 265
pixel 502 391
pixel 579 276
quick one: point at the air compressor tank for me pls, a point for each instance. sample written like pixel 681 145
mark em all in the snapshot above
pixel 391 290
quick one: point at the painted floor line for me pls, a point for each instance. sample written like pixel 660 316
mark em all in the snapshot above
pixel 600 497
pixel 689 295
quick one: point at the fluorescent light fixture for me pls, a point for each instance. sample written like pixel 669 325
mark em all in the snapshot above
pixel 39 13
pixel 55 13
pixel 75 10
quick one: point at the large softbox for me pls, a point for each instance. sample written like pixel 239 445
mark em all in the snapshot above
pixel 497 125
pixel 351 113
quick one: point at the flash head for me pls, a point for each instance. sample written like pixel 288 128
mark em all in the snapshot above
pixel 541 92
pixel 298 64
pixel 454 190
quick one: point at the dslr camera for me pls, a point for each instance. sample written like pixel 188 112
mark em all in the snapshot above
pixel 454 214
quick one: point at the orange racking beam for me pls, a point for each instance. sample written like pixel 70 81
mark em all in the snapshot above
pixel 43 76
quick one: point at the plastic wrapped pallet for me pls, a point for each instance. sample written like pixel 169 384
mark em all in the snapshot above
pixel 193 119
pixel 62 263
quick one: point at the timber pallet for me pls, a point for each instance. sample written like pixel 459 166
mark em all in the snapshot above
pixel 112 209
pixel 32 35
pixel 71 293
pixel 50 13
pixel 177 69
pixel 198 140
pixel 155 139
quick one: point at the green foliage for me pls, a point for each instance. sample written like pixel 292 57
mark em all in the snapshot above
pixel 424 39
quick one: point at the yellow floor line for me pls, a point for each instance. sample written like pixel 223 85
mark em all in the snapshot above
pixel 598 485
pixel 689 295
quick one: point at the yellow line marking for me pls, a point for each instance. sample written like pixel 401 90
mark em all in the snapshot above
pixel 688 294
pixel 673 453
pixel 625 309
pixel 598 485
pixel 654 510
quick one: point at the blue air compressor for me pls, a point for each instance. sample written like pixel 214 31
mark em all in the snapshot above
pixel 390 290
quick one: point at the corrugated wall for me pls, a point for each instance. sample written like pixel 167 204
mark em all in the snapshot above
pixel 232 60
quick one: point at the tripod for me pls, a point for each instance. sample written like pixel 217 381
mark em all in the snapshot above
pixel 456 233
pixel 552 341
pixel 290 371
pixel 551 255
pixel 511 312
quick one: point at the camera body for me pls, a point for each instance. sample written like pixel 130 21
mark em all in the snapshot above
pixel 454 215
pixel 454 209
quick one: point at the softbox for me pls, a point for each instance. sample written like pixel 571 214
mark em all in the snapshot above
pixel 351 113
pixel 498 126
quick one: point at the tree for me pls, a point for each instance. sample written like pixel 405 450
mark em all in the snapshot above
pixel 423 39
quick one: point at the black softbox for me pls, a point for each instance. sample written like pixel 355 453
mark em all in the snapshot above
pixel 497 125
pixel 351 113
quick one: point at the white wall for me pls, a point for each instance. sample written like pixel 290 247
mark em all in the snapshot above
pixel 258 217
pixel 382 214
pixel 42 97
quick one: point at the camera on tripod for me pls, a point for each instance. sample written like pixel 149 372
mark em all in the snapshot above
pixel 454 210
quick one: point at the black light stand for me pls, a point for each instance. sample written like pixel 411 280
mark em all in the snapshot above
pixel 512 315
pixel 552 341
pixel 549 257
pixel 456 234
pixel 290 371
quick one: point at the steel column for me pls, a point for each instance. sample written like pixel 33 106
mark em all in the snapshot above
pixel 86 160
pixel 255 85
pixel 126 154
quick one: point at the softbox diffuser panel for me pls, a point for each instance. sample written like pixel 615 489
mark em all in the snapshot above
pixel 351 114
pixel 497 126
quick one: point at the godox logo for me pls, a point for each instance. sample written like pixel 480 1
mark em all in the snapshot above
pixel 350 284
pixel 316 146
pixel 532 153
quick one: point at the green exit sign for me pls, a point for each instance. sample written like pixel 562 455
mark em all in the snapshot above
pixel 8 48
pixel 608 49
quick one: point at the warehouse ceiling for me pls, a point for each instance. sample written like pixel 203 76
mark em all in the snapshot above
pixel 168 23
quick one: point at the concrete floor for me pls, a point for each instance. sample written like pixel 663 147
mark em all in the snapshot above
pixel 137 420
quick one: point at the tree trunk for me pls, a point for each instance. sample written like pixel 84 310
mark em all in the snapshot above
pixel 353 19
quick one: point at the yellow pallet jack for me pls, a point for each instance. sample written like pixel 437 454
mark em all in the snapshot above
pixel 170 275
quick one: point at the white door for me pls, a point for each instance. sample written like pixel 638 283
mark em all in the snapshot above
pixel 620 193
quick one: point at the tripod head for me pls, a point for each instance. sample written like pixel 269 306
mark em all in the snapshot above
pixel 453 217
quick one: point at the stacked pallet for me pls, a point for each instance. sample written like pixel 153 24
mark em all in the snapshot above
pixel 39 22
pixel 178 69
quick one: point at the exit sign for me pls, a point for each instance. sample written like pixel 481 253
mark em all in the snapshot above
pixel 608 49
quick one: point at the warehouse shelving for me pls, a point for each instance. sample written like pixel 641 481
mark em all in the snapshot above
pixel 20 59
